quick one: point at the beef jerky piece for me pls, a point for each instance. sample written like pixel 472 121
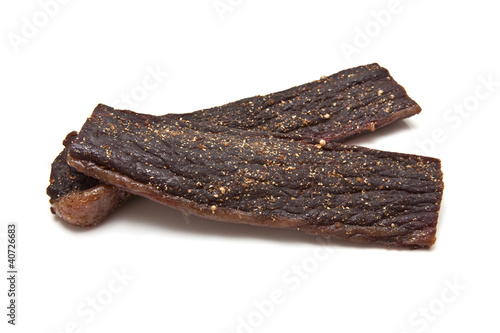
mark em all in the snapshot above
pixel 327 189
pixel 77 198
pixel 333 108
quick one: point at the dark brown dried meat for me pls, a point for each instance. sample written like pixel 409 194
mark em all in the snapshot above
pixel 327 189
pixel 333 108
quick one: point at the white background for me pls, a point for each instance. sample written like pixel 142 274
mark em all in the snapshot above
pixel 193 275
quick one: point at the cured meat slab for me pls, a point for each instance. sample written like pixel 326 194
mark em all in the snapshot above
pixel 262 178
pixel 333 108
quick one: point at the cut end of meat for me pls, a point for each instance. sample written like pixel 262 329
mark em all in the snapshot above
pixel 77 198
pixel 88 207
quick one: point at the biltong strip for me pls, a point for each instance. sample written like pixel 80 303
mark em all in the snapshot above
pixel 325 188
pixel 333 108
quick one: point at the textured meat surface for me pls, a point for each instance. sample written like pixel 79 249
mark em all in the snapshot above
pixel 333 108
pixel 327 189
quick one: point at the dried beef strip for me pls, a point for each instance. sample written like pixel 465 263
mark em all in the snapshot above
pixel 321 188
pixel 333 108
